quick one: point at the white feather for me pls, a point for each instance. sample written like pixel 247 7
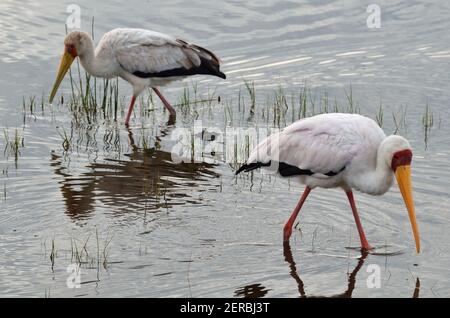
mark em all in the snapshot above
pixel 147 51
pixel 323 144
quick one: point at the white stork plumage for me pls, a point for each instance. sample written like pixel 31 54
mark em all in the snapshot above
pixel 141 57
pixel 345 151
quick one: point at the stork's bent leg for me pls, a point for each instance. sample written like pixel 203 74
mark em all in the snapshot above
pixel 165 102
pixel 364 244
pixel 290 223
pixel 130 110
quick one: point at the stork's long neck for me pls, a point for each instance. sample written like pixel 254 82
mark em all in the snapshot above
pixel 91 63
pixel 377 180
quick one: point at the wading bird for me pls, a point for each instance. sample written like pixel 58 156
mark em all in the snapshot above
pixel 339 151
pixel 141 57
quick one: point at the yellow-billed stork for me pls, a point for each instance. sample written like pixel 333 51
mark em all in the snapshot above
pixel 141 57
pixel 345 151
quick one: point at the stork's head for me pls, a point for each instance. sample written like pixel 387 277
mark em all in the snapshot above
pixel 75 44
pixel 397 153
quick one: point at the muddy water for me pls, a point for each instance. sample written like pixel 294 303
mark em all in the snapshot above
pixel 141 225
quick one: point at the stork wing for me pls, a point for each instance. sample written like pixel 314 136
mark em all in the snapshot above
pixel 149 54
pixel 321 146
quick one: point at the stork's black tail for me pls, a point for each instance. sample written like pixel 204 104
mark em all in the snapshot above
pixel 210 63
pixel 252 166
pixel 210 67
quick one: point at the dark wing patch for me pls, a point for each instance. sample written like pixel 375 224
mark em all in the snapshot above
pixel 332 173
pixel 209 65
pixel 206 67
pixel 285 170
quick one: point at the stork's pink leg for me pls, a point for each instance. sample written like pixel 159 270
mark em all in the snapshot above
pixel 130 110
pixel 165 102
pixel 290 223
pixel 364 244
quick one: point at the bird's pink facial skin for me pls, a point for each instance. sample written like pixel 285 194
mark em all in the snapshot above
pixel 70 48
pixel 401 158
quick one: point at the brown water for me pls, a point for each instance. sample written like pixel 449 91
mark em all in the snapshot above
pixel 155 228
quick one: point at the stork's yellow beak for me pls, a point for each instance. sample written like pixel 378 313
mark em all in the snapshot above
pixel 403 175
pixel 64 65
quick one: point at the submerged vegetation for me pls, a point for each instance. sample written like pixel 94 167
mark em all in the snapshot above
pixel 13 144
pixel 66 140
pixel 427 121
pixel 88 98
pixel 90 253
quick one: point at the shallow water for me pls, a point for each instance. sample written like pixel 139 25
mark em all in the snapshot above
pixel 155 228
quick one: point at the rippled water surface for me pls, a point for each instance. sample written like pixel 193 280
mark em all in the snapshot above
pixel 140 224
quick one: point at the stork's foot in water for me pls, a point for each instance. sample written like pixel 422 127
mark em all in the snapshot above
pixel 366 247
pixel 172 120
pixel 380 250
pixel 287 232
pixel 165 102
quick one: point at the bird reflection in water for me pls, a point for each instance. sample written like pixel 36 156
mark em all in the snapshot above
pixel 417 289
pixel 148 181
pixel 287 252
pixel 252 291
